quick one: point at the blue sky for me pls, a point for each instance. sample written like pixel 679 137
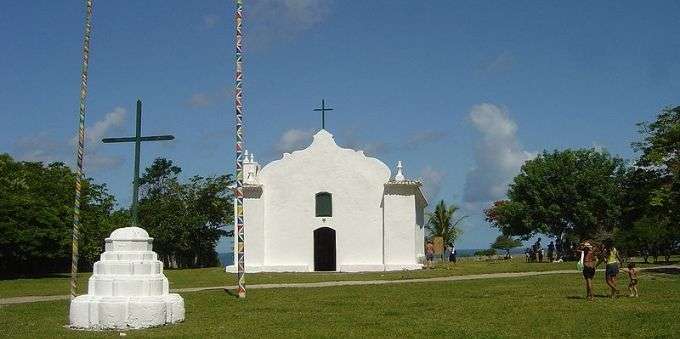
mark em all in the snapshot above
pixel 462 91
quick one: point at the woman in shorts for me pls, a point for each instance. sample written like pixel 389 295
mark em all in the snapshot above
pixel 612 268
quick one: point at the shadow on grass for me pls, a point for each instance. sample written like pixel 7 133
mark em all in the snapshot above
pixel 579 297
pixel 231 293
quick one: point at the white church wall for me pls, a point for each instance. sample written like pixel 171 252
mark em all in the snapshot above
pixel 400 227
pixel 420 233
pixel 255 254
pixel 356 184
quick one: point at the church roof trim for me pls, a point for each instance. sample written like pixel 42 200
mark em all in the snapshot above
pixel 324 139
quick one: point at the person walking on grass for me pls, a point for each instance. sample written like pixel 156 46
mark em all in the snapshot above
pixel 551 252
pixel 429 255
pixel 452 255
pixel 633 277
pixel 589 263
pixel 612 267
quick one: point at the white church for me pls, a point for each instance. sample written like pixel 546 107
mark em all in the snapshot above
pixel 327 208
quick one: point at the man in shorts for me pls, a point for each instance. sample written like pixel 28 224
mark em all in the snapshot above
pixel 589 265
pixel 429 255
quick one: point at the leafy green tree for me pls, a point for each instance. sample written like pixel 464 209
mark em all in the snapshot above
pixel 36 217
pixel 506 243
pixel 659 151
pixel 444 223
pixel 566 194
pixel 185 219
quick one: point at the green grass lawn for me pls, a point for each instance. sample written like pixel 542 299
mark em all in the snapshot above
pixel 539 306
pixel 59 284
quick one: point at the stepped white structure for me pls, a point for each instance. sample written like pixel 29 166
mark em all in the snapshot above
pixel 127 288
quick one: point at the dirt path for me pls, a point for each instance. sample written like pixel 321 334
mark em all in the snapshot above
pixel 32 299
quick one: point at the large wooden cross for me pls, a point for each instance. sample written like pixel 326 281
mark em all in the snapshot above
pixel 137 139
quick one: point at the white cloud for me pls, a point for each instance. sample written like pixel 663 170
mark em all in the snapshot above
pixel 422 138
pixel 210 20
pixel 293 139
pixel 278 20
pixel 498 156
pixel 112 121
pixel 199 100
pixel 501 63
pixel 41 147
pixel 432 180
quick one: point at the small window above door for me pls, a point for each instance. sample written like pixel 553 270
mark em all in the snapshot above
pixel 324 204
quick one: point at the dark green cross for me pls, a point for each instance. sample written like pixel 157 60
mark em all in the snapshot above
pixel 323 110
pixel 137 139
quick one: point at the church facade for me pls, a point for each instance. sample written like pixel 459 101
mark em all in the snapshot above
pixel 327 208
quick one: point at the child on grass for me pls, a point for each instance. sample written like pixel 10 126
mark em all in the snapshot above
pixel 633 276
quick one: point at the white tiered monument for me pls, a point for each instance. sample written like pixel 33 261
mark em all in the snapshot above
pixel 128 288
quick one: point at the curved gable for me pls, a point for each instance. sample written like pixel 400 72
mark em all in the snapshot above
pixel 323 157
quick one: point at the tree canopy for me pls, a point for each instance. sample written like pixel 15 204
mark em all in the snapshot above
pixel 36 217
pixel 573 193
pixel 186 219
pixel 506 243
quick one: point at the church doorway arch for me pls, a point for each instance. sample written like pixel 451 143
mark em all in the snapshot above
pixel 324 249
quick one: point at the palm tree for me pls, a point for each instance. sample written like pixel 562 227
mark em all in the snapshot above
pixel 443 222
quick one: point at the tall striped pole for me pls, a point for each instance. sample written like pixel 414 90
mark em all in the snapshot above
pixel 81 147
pixel 238 101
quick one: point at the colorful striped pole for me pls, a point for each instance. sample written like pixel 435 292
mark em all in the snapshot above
pixel 238 93
pixel 81 147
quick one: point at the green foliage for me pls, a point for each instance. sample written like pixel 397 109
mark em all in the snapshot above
pixel 444 223
pixel 572 193
pixel 506 243
pixel 660 144
pixel 485 253
pixel 185 219
pixel 36 217
pixel 655 184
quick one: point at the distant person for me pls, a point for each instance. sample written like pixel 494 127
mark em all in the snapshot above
pixel 633 277
pixel 558 249
pixel 551 252
pixel 540 255
pixel 537 249
pixel 588 261
pixel 429 254
pixel 612 267
pixel 452 255
pixel 527 254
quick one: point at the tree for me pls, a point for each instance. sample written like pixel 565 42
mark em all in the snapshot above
pixel 658 168
pixel 506 243
pixel 185 219
pixel 444 223
pixel 566 194
pixel 36 216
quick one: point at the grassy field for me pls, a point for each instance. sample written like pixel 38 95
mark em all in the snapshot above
pixel 540 306
pixel 58 284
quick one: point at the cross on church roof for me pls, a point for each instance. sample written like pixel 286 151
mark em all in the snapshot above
pixel 323 110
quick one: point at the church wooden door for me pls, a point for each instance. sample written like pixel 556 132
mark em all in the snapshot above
pixel 324 249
